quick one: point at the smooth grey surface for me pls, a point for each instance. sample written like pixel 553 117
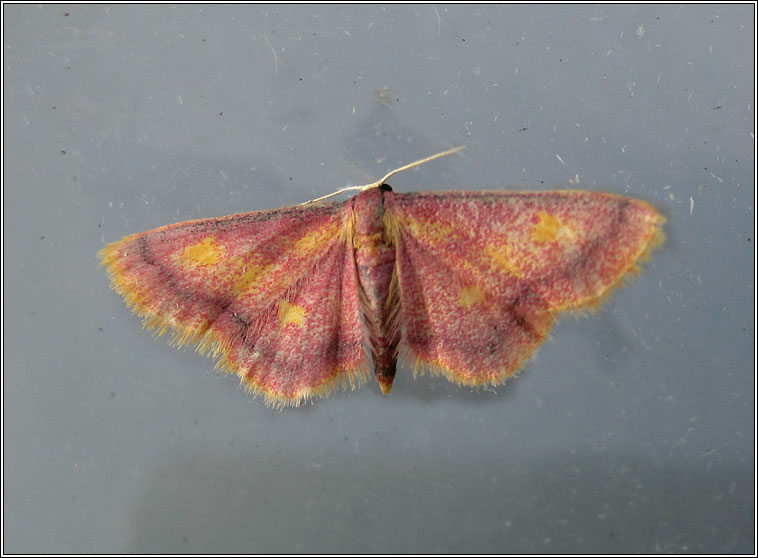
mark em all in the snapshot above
pixel 630 431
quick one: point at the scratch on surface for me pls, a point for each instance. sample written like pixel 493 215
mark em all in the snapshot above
pixel 276 57
pixel 439 21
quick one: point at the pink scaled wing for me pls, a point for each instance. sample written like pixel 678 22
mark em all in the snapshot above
pixel 482 275
pixel 272 294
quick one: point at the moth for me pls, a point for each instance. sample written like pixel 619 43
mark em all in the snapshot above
pixel 302 300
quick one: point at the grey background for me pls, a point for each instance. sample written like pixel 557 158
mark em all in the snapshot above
pixel 630 431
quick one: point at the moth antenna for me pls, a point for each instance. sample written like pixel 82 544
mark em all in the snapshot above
pixel 341 190
pixel 384 179
pixel 415 164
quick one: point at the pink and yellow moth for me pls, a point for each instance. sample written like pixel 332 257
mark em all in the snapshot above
pixel 302 300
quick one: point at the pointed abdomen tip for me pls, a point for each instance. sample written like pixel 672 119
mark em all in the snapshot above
pixel 386 385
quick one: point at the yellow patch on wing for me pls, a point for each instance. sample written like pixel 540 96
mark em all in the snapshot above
pixel 260 276
pixel 204 253
pixel 551 228
pixel 315 240
pixel 290 314
pixel 470 295
pixel 431 231
pixel 501 256
pixel 248 280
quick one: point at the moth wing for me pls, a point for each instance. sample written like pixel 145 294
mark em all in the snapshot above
pixel 272 294
pixel 481 275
